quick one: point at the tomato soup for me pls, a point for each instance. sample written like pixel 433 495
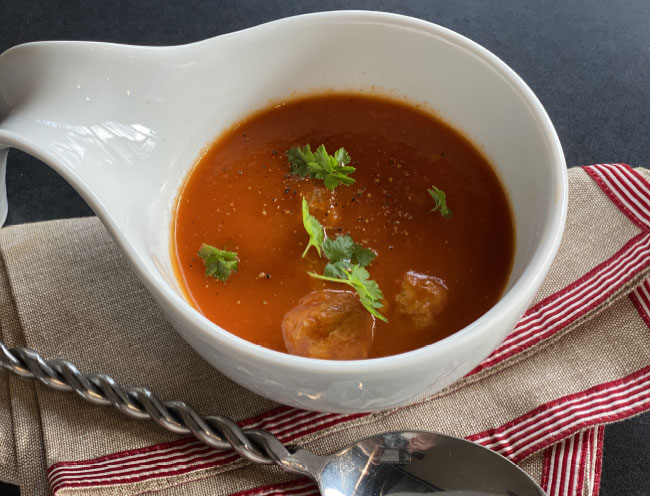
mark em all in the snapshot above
pixel 241 196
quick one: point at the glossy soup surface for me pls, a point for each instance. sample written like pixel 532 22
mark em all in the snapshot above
pixel 240 196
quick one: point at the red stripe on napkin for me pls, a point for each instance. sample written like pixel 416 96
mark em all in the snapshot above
pixel 562 418
pixel 597 460
pixel 626 188
pixel 640 297
pixel 565 464
pixel 585 453
pixel 187 454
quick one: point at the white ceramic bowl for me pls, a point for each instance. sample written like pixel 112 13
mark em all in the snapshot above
pixel 125 124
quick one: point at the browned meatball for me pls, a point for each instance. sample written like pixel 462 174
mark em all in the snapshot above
pixel 422 298
pixel 328 324
pixel 322 205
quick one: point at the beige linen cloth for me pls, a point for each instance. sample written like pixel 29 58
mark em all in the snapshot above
pixel 66 292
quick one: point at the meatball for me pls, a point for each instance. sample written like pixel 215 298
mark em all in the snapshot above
pixel 328 324
pixel 323 206
pixel 421 299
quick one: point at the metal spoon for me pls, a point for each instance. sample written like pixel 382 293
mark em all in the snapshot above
pixel 399 463
pixel 408 463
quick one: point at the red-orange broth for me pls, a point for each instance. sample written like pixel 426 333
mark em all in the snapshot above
pixel 241 197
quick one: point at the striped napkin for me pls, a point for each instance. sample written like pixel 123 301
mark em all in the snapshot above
pixel 578 359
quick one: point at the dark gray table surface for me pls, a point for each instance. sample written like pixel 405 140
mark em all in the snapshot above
pixel 588 62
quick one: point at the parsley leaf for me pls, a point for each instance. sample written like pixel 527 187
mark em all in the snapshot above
pixel 342 157
pixel 338 249
pixel 440 198
pixel 299 158
pixel 336 269
pixel 362 256
pixel 313 228
pixel 333 170
pixel 343 248
pixel 218 263
pixel 358 278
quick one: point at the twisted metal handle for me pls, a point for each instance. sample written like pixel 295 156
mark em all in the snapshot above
pixel 255 445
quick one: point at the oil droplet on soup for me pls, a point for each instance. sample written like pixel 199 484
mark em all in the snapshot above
pixel 437 274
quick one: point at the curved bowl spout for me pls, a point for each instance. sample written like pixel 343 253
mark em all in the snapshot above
pixel 124 125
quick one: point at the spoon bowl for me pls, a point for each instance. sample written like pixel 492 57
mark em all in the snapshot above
pixel 409 462
pixel 125 124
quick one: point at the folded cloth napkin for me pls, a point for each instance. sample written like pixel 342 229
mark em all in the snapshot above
pixel 579 358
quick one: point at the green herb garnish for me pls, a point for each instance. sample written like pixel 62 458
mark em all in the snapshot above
pixel 440 198
pixel 218 263
pixel 344 249
pixel 347 260
pixel 313 228
pixel 332 169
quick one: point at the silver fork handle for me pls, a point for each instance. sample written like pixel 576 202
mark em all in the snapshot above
pixel 255 445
